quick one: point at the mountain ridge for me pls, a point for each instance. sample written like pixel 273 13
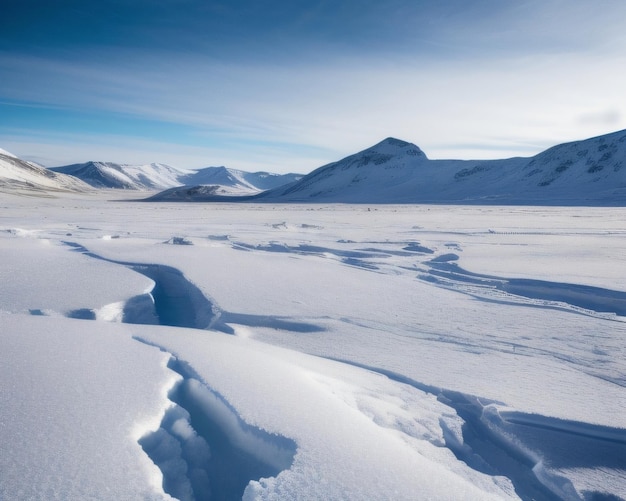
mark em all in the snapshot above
pixel 154 176
pixel 586 172
pixel 158 176
pixel 22 177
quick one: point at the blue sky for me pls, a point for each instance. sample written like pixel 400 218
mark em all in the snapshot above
pixel 289 86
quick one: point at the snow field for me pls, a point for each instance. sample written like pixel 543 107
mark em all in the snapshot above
pixel 375 383
pixel 75 398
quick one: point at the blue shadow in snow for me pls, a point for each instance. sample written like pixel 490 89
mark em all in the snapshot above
pixel 203 447
pixel 583 296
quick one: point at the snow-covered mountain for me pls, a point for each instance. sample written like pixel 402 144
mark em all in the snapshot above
pixel 154 176
pixel 20 176
pixel 254 181
pixel 221 182
pixel 592 172
pixel 157 176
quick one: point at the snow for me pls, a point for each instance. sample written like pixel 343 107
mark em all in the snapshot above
pixel 19 176
pixel 74 403
pixel 157 176
pixel 6 153
pixel 154 176
pixel 589 172
pixel 310 351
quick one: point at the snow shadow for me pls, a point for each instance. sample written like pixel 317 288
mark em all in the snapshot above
pixel 305 249
pixel 173 301
pixel 349 257
pixel 589 446
pixel 203 447
pixel 448 274
pixel 525 448
pixel 177 302
pixel 273 322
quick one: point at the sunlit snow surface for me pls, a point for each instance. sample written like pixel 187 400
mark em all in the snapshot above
pixel 310 352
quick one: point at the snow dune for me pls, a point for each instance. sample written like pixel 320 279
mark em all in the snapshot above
pixel 323 352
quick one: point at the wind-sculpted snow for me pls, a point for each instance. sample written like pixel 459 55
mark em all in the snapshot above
pixel 540 293
pixel 204 449
pixel 358 257
pixel 500 376
pixel 74 399
pixel 175 301
pixel 531 450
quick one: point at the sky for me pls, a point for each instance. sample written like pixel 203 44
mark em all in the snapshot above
pixel 289 86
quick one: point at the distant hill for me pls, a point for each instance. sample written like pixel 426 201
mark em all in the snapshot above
pixel 238 181
pixel 153 176
pixel 158 176
pixel 21 177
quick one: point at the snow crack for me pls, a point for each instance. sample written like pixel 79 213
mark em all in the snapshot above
pixel 531 450
pixel 204 449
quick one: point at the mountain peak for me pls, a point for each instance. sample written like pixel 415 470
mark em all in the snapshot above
pixel 394 146
pixel 392 141
pixel 588 172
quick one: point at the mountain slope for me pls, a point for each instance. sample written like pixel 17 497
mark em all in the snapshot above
pixel 156 176
pixel 592 172
pixel 268 180
pixel 220 182
pixel 239 180
pixel 153 176
pixel 220 176
pixel 20 176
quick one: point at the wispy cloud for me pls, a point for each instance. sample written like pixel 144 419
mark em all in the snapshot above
pixel 465 80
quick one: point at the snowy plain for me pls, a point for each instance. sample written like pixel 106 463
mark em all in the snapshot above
pixel 221 351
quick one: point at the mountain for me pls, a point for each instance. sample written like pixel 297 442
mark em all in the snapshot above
pixel 220 183
pixel 158 176
pixel 238 181
pixel 153 176
pixel 590 172
pixel 22 177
